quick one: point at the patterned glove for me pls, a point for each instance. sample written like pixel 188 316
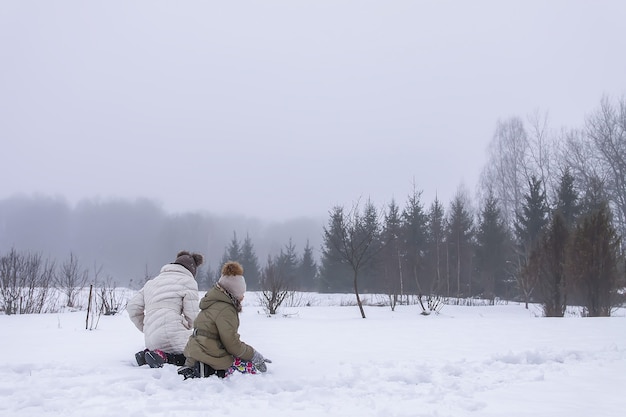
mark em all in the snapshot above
pixel 259 361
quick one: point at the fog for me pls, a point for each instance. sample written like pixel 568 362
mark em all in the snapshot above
pixel 164 125
pixel 281 109
pixel 131 239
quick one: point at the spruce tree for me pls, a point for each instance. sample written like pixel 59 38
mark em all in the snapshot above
pixel 593 261
pixel 414 234
pixel 369 230
pixel 459 236
pixel 529 226
pixel 307 269
pixel 567 199
pixel 533 217
pixel 335 273
pixel 391 255
pixel 287 263
pixel 232 251
pixel 250 264
pixel 548 259
pixel 435 250
pixel 493 248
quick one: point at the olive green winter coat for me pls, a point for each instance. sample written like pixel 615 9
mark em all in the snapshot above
pixel 216 339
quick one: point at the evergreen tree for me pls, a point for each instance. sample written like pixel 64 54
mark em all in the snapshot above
pixel 595 196
pixel 206 277
pixel 414 241
pixel 493 245
pixel 335 273
pixel 435 250
pixel 567 199
pixel 391 255
pixel 232 252
pixel 370 228
pixel 593 261
pixel 250 264
pixel 459 235
pixel 529 226
pixel 548 260
pixel 307 269
pixel 287 263
pixel 533 217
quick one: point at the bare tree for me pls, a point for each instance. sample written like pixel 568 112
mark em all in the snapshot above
pixel 107 299
pixel 25 281
pixel 71 280
pixel 356 240
pixel 434 304
pixel 542 149
pixel 112 300
pixel 597 152
pixel 606 128
pixel 506 173
pixel 275 286
pixel 578 155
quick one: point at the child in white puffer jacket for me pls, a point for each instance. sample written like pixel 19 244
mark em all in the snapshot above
pixel 164 310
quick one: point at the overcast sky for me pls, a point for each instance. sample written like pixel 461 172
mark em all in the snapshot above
pixel 282 109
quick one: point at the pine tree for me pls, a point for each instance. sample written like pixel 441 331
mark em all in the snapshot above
pixel 529 226
pixel 493 248
pixel 533 217
pixel 593 261
pixel 206 277
pixel 435 251
pixel 307 269
pixel 287 262
pixel 232 251
pixel 335 273
pixel 567 200
pixel 414 240
pixel 391 255
pixel 250 264
pixel 459 235
pixel 370 228
pixel 548 259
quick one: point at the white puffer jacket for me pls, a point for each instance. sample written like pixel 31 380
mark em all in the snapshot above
pixel 165 308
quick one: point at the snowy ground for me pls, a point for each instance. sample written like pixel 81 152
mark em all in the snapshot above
pixel 327 361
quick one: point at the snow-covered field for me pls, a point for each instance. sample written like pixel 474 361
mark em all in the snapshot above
pixel 327 361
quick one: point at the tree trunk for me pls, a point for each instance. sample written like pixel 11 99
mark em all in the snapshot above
pixel 358 299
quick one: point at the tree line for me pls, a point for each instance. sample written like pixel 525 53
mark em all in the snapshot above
pixel 546 228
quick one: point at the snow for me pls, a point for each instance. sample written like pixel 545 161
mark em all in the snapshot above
pixel 328 361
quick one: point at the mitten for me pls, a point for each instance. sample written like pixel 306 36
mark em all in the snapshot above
pixel 259 361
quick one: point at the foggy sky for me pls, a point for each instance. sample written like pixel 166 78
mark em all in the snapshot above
pixel 282 109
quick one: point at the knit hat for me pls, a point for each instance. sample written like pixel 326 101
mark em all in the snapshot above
pixel 232 279
pixel 191 261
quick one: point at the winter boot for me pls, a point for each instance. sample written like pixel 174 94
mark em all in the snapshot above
pixel 155 358
pixel 177 359
pixel 186 372
pixel 140 357
pixel 203 370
